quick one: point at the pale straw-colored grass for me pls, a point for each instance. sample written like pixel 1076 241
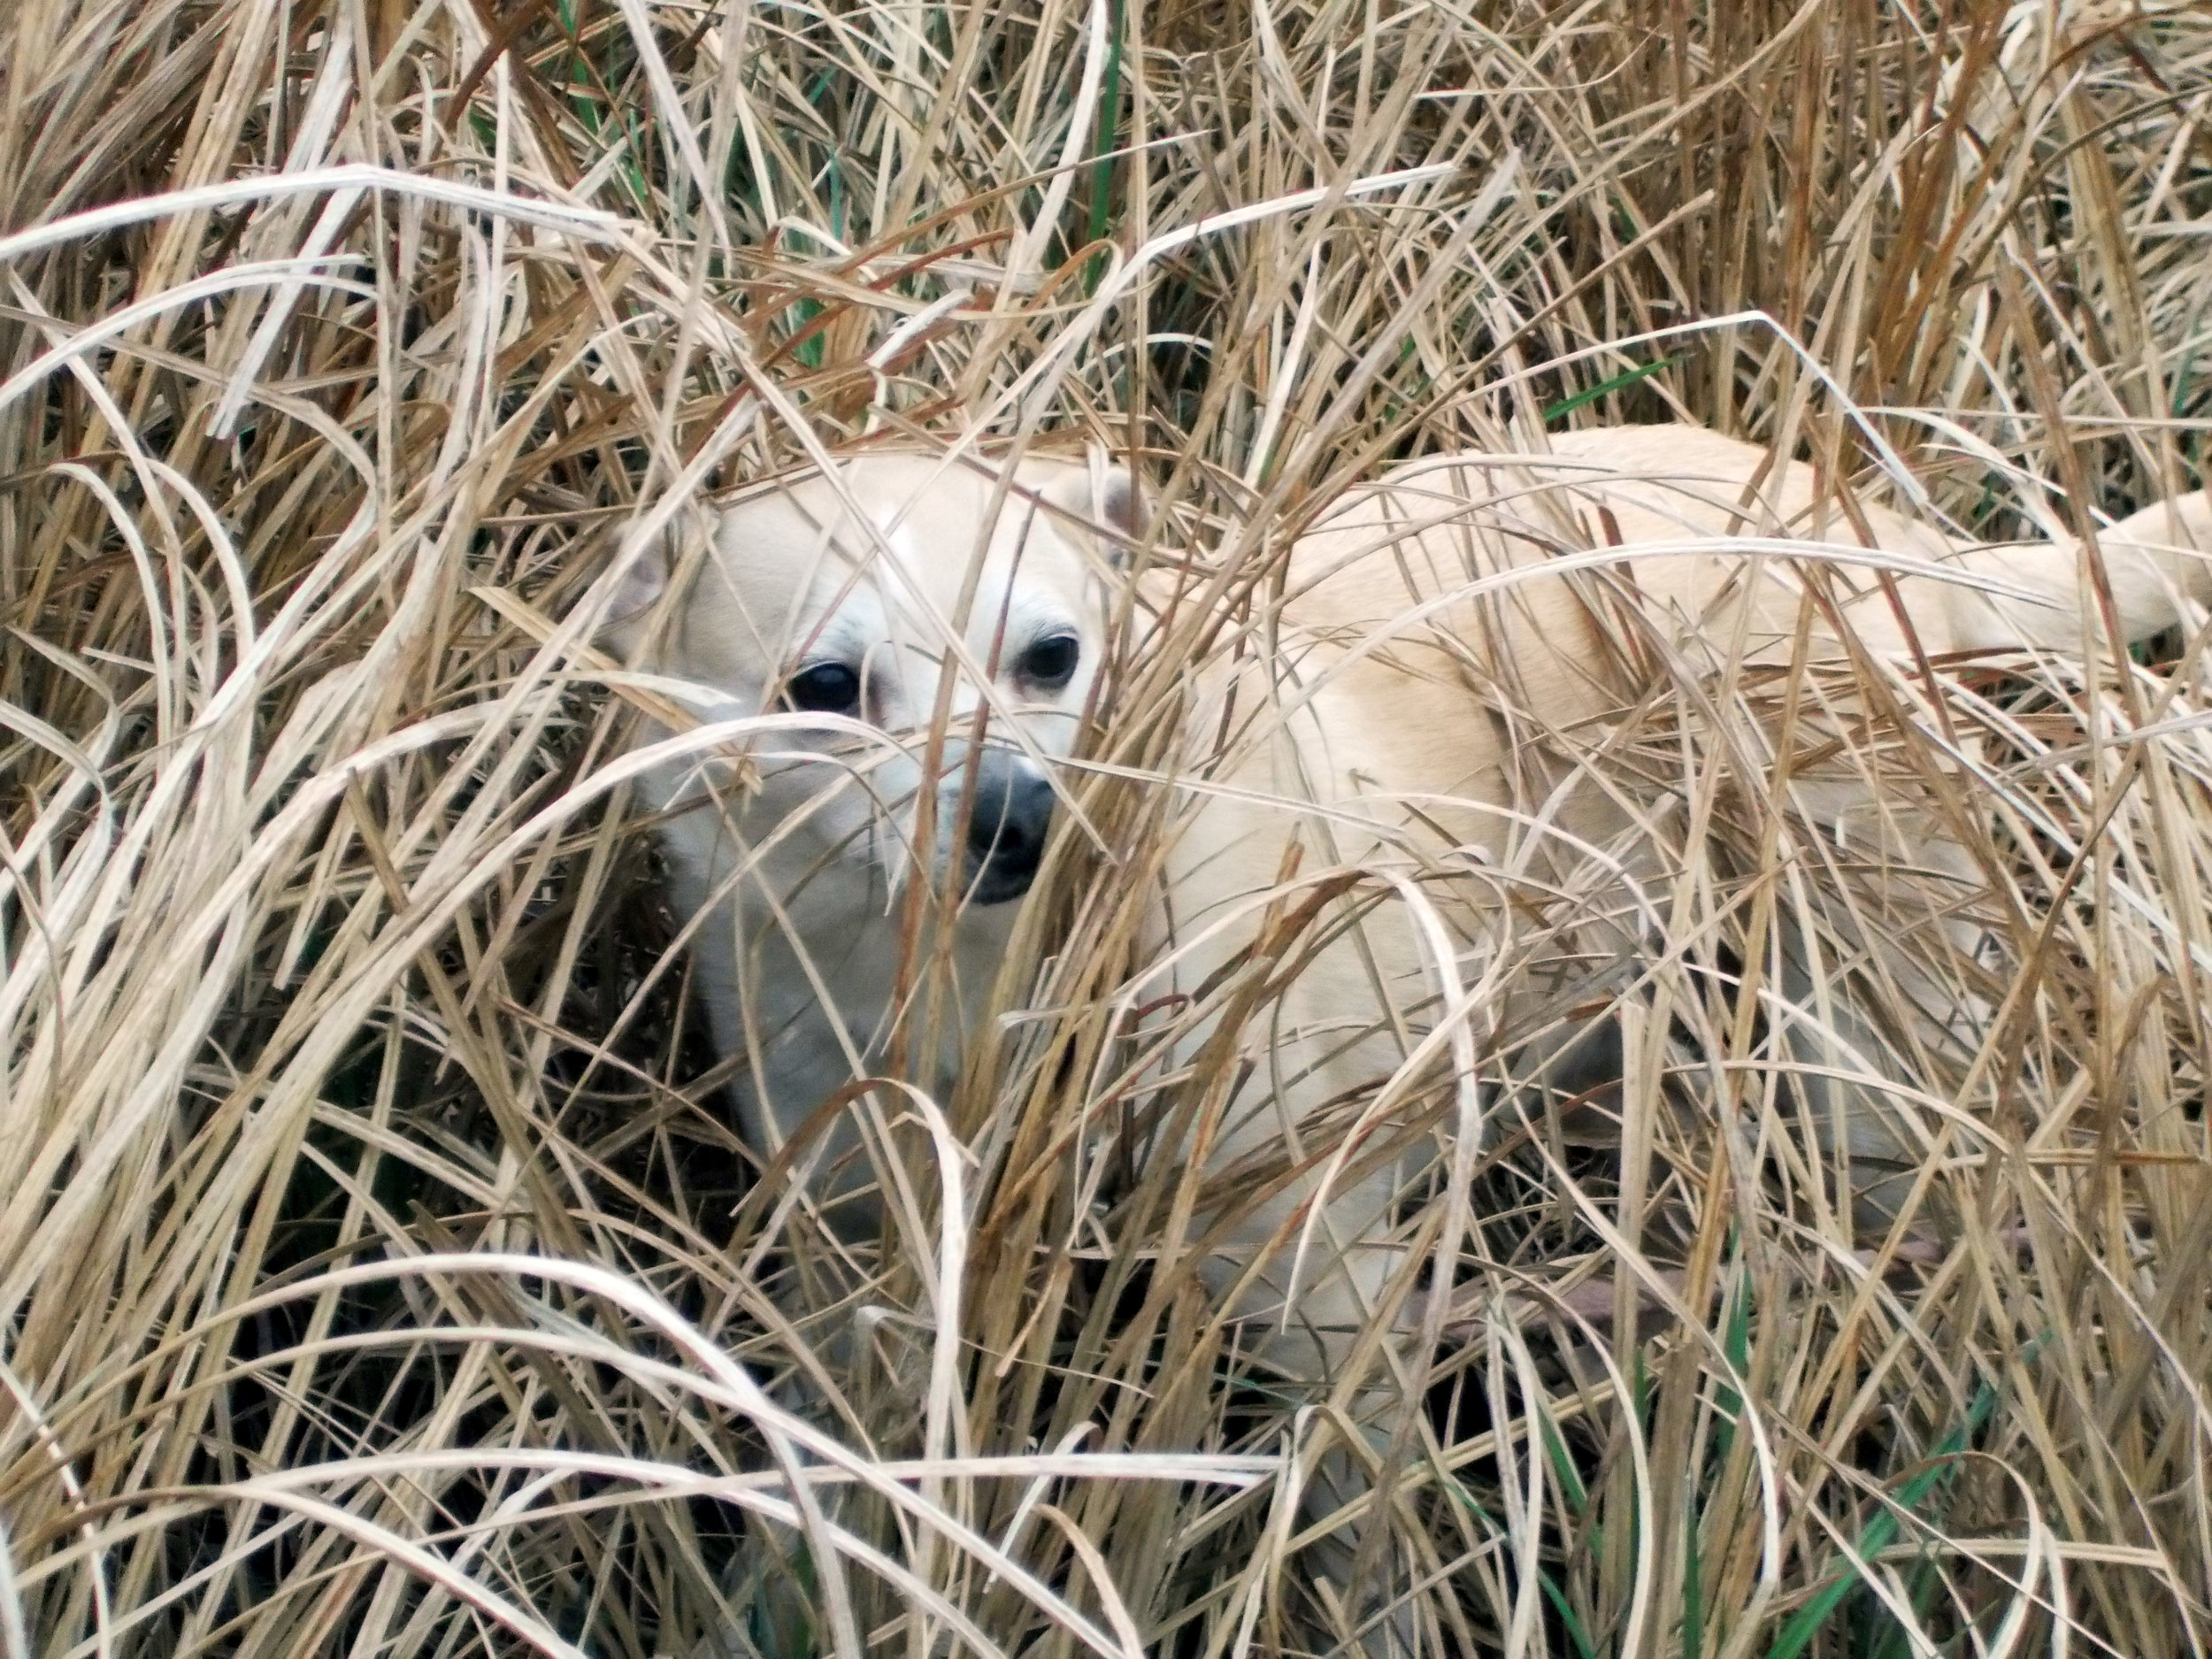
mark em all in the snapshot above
pixel 378 1274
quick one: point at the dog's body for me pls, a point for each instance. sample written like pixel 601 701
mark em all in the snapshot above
pixel 1439 631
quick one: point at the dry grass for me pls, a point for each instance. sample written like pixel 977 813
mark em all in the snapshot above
pixel 374 1278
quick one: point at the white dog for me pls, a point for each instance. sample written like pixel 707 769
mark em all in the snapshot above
pixel 935 630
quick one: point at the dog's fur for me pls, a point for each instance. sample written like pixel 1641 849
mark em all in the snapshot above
pixel 1379 733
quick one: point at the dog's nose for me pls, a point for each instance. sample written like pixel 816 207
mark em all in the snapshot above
pixel 1008 816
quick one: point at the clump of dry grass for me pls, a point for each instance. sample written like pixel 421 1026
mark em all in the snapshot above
pixel 375 1276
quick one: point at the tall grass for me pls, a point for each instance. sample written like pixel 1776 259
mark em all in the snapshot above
pixel 378 1274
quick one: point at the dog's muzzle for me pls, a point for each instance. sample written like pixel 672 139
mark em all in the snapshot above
pixel 1008 816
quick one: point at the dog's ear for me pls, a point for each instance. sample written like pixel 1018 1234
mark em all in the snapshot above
pixel 1104 494
pixel 1121 501
pixel 640 579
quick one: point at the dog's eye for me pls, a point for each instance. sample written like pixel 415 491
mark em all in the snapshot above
pixel 824 688
pixel 1050 661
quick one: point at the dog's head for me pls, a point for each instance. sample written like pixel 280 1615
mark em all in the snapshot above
pixel 931 631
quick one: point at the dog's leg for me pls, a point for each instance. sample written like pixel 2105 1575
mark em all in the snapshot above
pixel 1860 1078
pixel 1316 1305
pixel 1332 1120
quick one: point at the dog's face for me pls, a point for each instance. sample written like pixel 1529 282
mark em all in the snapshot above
pixel 931 656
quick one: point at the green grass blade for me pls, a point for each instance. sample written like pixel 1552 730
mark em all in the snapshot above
pixel 1567 406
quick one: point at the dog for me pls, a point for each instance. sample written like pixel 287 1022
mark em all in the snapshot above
pixel 919 637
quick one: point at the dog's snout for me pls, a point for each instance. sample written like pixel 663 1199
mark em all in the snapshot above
pixel 1008 816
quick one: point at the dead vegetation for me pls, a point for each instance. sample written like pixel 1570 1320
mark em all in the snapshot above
pixel 378 1271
